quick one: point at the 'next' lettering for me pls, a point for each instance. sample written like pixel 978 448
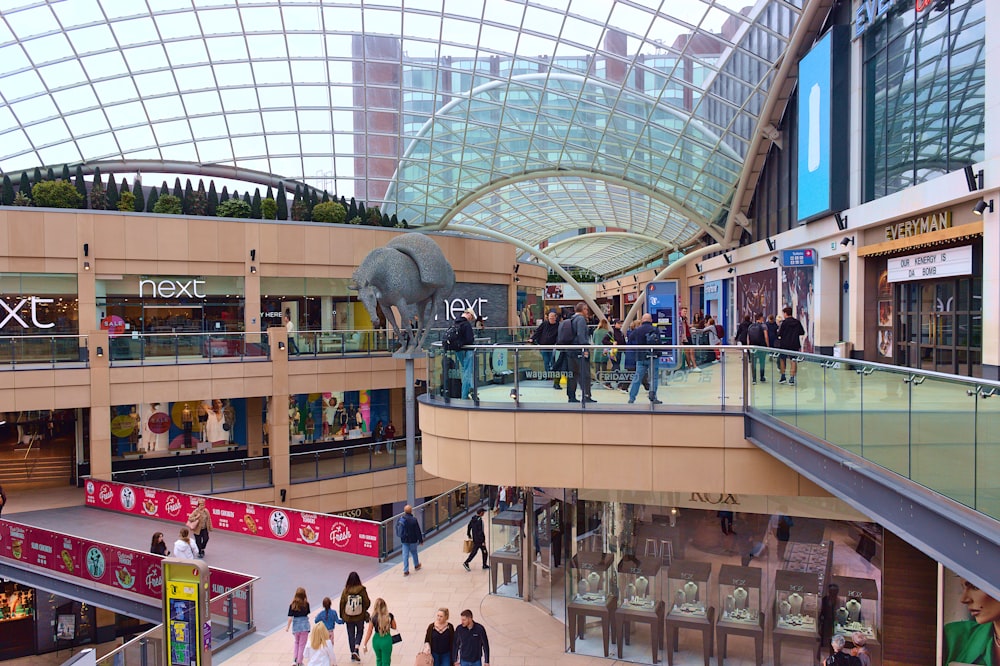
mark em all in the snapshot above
pixel 12 312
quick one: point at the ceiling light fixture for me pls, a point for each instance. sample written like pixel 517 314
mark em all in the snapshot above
pixel 86 265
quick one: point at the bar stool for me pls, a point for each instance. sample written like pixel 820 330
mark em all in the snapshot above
pixel 666 551
pixel 650 546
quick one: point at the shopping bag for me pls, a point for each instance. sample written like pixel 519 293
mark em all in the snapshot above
pixel 467 546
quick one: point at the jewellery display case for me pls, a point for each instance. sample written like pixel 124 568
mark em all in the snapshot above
pixel 739 594
pixel 590 596
pixel 506 534
pixel 859 607
pixel 741 613
pixel 687 598
pixel 590 582
pixel 796 608
pixel 640 601
pixel 687 588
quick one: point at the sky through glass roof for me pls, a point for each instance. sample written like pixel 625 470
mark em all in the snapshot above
pixel 531 117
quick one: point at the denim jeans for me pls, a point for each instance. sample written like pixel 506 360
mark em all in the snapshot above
pixel 759 359
pixel 410 550
pixel 441 658
pixel 642 366
pixel 465 363
pixel 463 662
pixel 354 632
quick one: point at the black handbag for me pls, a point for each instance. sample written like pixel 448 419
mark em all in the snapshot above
pixel 397 638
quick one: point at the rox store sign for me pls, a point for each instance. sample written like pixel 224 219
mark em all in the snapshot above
pixel 13 313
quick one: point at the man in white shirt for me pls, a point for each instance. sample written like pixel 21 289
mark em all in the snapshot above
pixel 293 347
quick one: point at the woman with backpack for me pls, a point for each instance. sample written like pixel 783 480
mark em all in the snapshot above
pixel 354 605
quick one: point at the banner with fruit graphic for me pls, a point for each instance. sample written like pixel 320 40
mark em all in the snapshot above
pixel 319 530
pixel 124 569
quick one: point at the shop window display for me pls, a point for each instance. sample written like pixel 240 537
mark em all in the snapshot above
pixel 506 538
pixel 338 416
pixel 156 430
pixel 734 586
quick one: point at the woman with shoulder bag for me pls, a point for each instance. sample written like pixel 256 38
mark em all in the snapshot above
pixel 438 641
pixel 380 633
pixel 200 524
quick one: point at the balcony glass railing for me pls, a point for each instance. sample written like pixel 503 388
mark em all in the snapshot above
pixel 42 351
pixel 350 460
pixel 937 430
pixel 209 478
pixel 434 515
pixel 174 348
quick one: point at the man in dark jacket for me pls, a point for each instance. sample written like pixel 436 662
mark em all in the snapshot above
pixel 790 332
pixel 410 535
pixel 581 367
pixel 645 362
pixel 545 334
pixel 471 647
pixel 477 533
pixel 466 338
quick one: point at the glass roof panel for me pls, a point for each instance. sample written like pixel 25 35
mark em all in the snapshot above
pixel 534 116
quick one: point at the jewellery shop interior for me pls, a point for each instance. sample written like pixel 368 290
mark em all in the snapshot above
pixel 751 574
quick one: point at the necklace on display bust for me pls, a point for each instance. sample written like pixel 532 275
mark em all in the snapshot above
pixel 996 639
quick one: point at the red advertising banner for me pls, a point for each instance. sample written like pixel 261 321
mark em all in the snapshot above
pixel 94 562
pixel 337 533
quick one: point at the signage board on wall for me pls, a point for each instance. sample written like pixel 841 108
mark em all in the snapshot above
pixel 930 265
pixel 920 225
pixel 488 301
pixel 661 303
pixel 822 161
pixel 806 257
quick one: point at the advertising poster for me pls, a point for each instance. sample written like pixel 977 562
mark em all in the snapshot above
pixel 158 429
pixel 970 620
pixel 797 293
pixel 885 313
pixel 42 548
pixel 337 533
pixel 757 293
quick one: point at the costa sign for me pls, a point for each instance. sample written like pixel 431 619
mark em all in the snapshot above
pixel 13 313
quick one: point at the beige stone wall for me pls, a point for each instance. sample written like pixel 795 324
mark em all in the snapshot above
pixel 641 451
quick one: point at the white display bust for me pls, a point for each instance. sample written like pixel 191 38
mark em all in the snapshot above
pixel 641 586
pixel 795 602
pixel 740 596
pixel 690 591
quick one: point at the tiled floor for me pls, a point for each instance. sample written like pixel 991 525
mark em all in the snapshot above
pixel 520 633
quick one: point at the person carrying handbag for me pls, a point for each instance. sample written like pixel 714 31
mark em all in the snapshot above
pixel 200 524
pixel 439 641
pixel 477 533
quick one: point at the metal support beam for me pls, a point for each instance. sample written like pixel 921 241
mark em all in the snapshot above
pixel 411 441
pixel 955 535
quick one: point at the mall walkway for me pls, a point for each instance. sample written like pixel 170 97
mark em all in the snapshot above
pixel 520 634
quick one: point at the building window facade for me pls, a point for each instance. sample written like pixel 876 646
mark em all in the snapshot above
pixel 925 84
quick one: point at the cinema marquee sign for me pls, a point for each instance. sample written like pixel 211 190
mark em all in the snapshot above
pixel 920 225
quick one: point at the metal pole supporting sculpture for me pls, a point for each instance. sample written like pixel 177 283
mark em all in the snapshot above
pixel 410 273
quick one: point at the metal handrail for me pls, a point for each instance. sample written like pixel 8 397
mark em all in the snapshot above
pixel 385 526
pixel 125 646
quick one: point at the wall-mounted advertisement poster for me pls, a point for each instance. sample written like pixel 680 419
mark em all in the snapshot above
pixel 797 292
pixel 757 293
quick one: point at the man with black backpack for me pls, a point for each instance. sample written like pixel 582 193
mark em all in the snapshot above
pixel 757 336
pixel 645 360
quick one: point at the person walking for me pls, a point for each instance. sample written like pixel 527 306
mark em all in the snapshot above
pixel 580 358
pixel 757 335
pixel 298 624
pixel 827 616
pixel 685 338
pixel 293 345
pixel 390 436
pixel 328 617
pixel 790 334
pixel 354 605
pixel 472 646
pixel 200 524
pixel 477 532
pixel 410 536
pixel 183 548
pixel 645 361
pixel 379 633
pixel 838 656
pixel 466 338
pixel 545 335
pixel 158 546
pixel 319 651
pixel 439 641
pixel 602 338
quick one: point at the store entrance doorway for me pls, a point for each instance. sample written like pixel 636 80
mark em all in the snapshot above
pixel 939 325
